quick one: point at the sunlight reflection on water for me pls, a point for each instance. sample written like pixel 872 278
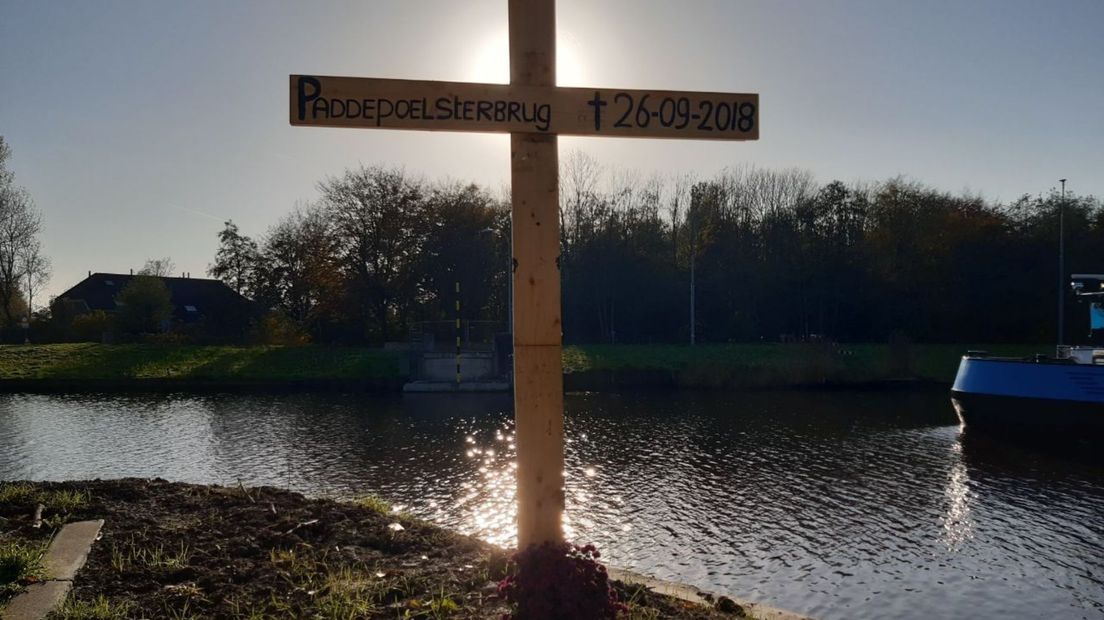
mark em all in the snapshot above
pixel 957 522
pixel 488 501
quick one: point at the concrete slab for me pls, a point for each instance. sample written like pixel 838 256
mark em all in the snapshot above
pixel 452 386
pixel 694 595
pixel 70 547
pixel 38 601
pixel 66 555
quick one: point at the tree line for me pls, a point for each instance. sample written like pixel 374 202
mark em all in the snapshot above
pixel 768 254
pixel 379 251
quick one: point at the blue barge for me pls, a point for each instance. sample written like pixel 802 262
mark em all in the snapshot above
pixel 1040 395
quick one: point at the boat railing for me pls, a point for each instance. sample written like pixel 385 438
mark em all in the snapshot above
pixel 1082 354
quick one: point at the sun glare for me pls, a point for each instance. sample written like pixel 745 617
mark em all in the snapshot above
pixel 490 62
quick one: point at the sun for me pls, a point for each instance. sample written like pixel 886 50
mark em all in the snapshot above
pixel 490 62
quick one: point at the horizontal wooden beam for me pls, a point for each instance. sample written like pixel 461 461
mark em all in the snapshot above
pixel 462 106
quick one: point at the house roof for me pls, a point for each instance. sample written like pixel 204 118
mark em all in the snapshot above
pixel 192 298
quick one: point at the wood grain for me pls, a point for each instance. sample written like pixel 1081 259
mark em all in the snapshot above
pixel 538 366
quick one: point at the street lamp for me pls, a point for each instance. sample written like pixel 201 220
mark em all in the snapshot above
pixel 1061 264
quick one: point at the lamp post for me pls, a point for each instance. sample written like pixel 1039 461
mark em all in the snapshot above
pixel 1061 264
pixel 509 280
pixel 693 255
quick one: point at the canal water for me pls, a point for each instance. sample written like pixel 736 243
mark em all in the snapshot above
pixel 837 504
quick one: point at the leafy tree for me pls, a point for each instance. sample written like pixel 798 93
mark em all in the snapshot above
pixel 379 224
pixel 236 260
pixel 296 270
pixel 467 242
pixel 145 305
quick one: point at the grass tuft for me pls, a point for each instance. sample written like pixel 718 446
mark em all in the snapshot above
pixel 128 555
pixel 99 608
pixel 66 501
pixel 20 563
pixel 377 504
pixel 60 500
pixel 17 493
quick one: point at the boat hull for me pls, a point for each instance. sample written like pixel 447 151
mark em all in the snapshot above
pixel 1029 398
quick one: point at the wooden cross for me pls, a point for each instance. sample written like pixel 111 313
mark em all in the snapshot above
pixel 534 111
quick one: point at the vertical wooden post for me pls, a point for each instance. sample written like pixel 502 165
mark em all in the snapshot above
pixel 538 368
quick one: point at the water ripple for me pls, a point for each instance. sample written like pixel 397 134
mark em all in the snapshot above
pixel 857 505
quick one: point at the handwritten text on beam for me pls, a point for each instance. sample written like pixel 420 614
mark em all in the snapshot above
pixel 462 106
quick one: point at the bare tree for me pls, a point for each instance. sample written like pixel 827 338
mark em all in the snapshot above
pixel 38 269
pixel 19 245
pixel 160 267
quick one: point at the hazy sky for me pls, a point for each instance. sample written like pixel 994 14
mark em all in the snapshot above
pixel 139 127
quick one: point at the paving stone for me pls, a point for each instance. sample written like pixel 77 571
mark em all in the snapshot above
pixel 66 555
pixel 70 547
pixel 39 600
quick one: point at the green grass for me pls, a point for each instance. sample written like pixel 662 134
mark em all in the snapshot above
pixel 780 363
pixel 87 361
pixel 707 364
pixel 372 502
pixel 61 500
pixel 128 555
pixel 20 561
pixel 99 608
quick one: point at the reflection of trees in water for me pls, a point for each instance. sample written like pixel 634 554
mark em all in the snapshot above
pixel 1038 516
pixel 80 436
pixel 307 442
pixel 320 442
pixel 782 481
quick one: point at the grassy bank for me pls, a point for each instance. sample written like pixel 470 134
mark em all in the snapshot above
pixel 171 550
pixel 98 362
pixel 767 365
pixel 585 366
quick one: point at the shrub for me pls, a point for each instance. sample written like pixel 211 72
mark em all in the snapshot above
pixel 166 339
pixel 559 580
pixel 276 328
pixel 91 326
pixel 145 306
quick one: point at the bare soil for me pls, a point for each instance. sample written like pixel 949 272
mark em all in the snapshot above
pixel 191 551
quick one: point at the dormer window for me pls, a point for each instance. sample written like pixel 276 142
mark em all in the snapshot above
pixel 109 282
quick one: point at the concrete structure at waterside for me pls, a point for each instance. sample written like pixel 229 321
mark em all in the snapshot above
pixel 463 356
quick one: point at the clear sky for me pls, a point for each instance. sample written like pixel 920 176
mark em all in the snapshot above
pixel 140 126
